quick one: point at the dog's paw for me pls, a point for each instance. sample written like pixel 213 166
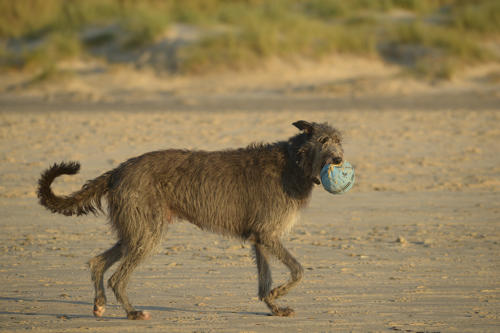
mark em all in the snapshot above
pixel 99 310
pixel 284 312
pixel 138 315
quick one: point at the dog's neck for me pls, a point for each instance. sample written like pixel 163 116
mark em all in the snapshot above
pixel 298 184
pixel 301 156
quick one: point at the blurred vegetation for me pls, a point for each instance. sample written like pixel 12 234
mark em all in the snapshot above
pixel 433 38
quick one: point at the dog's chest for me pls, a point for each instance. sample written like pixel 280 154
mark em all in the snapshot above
pixel 287 223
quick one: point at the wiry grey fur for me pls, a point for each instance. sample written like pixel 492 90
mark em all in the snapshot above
pixel 250 193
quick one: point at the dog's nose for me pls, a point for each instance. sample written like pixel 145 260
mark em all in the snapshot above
pixel 336 160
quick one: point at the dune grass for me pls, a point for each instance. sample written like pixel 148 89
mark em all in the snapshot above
pixel 272 31
pixel 442 49
pixel 240 33
pixel 477 16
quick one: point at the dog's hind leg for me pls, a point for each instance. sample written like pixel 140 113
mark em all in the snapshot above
pixel 139 246
pixel 119 280
pixel 275 247
pixel 98 265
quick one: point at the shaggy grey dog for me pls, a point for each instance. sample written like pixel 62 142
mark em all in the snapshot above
pixel 251 193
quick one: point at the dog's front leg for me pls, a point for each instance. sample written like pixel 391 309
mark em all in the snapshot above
pixel 275 247
pixel 263 270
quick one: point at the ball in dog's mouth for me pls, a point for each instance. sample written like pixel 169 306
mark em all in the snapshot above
pixel 337 178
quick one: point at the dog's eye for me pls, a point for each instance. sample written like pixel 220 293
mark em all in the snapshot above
pixel 324 139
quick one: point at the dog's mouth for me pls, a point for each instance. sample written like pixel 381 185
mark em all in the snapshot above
pixel 335 160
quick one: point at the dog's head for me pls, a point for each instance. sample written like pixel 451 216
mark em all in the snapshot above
pixel 316 146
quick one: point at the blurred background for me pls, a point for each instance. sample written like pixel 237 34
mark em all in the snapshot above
pixel 414 86
pixel 60 39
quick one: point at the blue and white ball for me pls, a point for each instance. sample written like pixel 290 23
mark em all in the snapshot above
pixel 337 178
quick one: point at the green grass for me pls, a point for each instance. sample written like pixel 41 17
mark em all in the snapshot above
pixel 31 19
pixel 253 30
pixel 478 16
pixel 447 41
pixel 59 46
pixel 143 26
pixel 50 74
pixel 442 49
pixel 273 30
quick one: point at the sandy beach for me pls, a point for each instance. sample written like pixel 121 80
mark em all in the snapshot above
pixel 413 247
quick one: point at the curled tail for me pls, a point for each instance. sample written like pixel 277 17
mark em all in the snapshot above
pixel 86 200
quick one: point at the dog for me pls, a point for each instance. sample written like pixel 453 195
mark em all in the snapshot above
pixel 253 194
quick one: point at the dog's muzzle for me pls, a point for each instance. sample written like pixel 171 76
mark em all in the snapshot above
pixel 333 160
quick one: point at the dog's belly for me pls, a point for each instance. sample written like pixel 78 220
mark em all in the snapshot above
pixel 245 226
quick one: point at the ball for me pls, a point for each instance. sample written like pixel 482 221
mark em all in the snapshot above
pixel 337 178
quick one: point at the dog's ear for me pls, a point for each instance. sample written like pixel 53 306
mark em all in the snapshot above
pixel 304 126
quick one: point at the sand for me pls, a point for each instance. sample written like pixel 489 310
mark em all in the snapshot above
pixel 413 247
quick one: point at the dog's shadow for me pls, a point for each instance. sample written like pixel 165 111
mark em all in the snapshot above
pixel 112 306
